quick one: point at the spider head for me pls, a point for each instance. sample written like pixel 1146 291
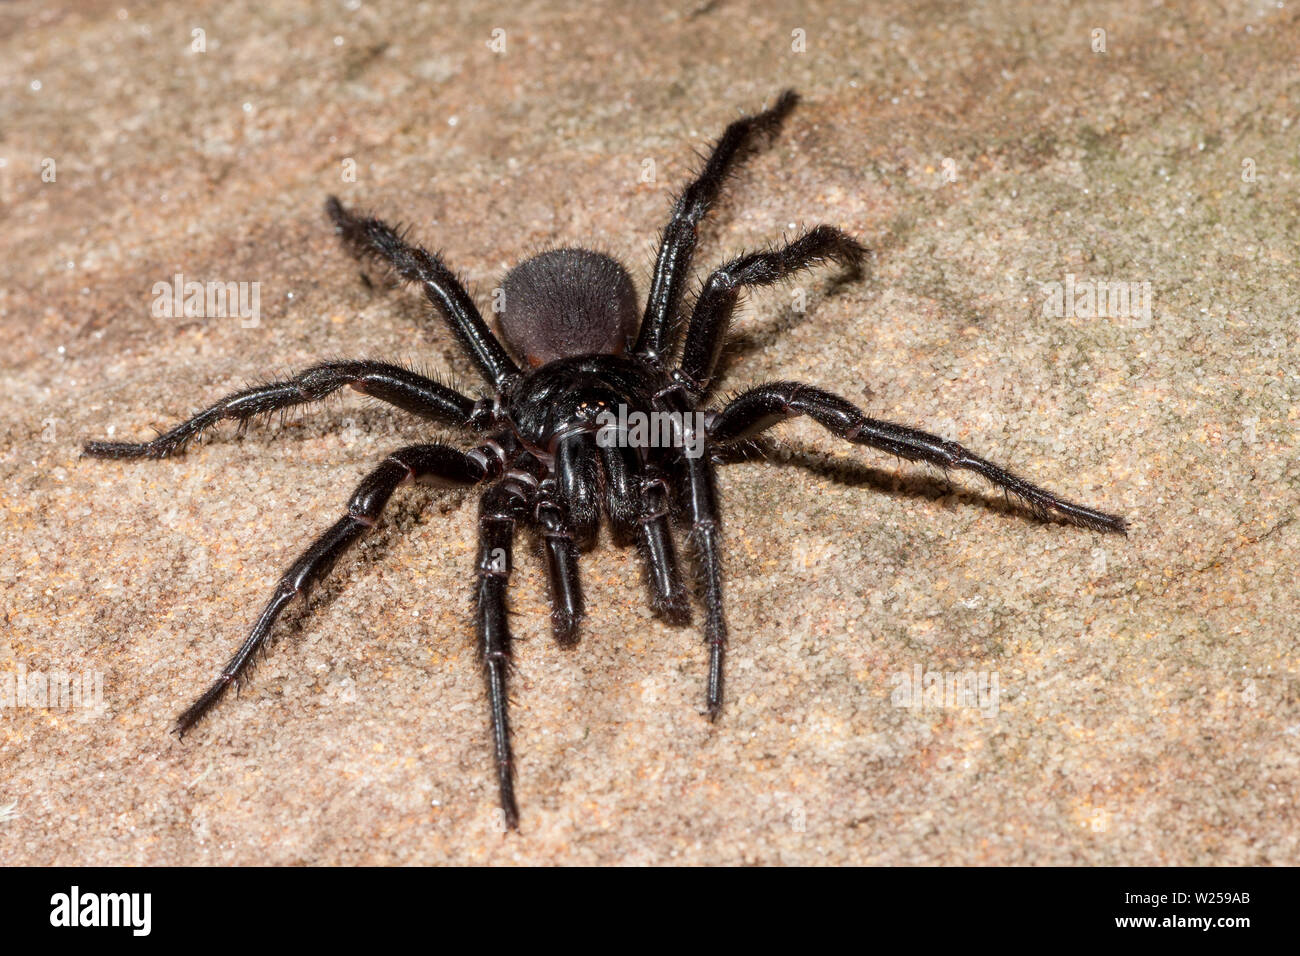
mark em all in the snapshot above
pixel 568 302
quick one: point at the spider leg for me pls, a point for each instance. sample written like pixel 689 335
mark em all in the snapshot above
pixel 636 500
pixel 503 506
pixel 368 236
pixel 705 534
pixel 699 506
pixel 364 509
pixel 713 309
pixel 766 405
pixel 390 383
pixel 673 263
pixel 577 483
pixel 622 471
pixel 561 567
pixel 655 540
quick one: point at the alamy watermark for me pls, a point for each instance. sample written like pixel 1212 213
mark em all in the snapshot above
pixel 53 690
pixel 1097 299
pixel 946 690
pixel 638 429
pixel 130 910
pixel 213 299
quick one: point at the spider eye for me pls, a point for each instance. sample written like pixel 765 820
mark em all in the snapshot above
pixel 568 302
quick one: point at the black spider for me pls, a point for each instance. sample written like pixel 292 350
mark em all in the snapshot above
pixel 551 456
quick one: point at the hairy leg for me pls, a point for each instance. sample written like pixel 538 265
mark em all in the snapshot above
pixel 637 502
pixel 364 508
pixel 706 545
pixel 713 310
pixel 561 568
pixel 621 467
pixel 697 500
pixel 762 407
pixel 577 484
pixel 668 594
pixel 677 245
pixel 503 506
pixel 390 383
pixel 372 237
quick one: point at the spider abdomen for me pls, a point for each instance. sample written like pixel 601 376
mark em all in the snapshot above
pixel 568 302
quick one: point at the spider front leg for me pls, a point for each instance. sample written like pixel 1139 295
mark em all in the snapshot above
pixel 372 237
pixel 561 567
pixel 364 508
pixel 577 484
pixel 762 407
pixel 673 264
pixel 669 597
pixel 389 383
pixel 713 310
pixel 503 506
pixel 638 505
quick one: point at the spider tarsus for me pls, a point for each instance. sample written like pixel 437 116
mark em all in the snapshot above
pixel 713 705
pixel 771 118
pixel 713 710
pixel 674 609
pixel 1095 520
pixel 1044 504
pixel 565 627
pixel 510 815
pixel 191 716
pixel 1047 507
pixel 122 450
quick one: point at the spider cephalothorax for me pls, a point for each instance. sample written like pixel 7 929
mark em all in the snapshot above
pixel 557 453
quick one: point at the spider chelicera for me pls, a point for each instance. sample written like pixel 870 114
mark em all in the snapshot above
pixel 557 453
